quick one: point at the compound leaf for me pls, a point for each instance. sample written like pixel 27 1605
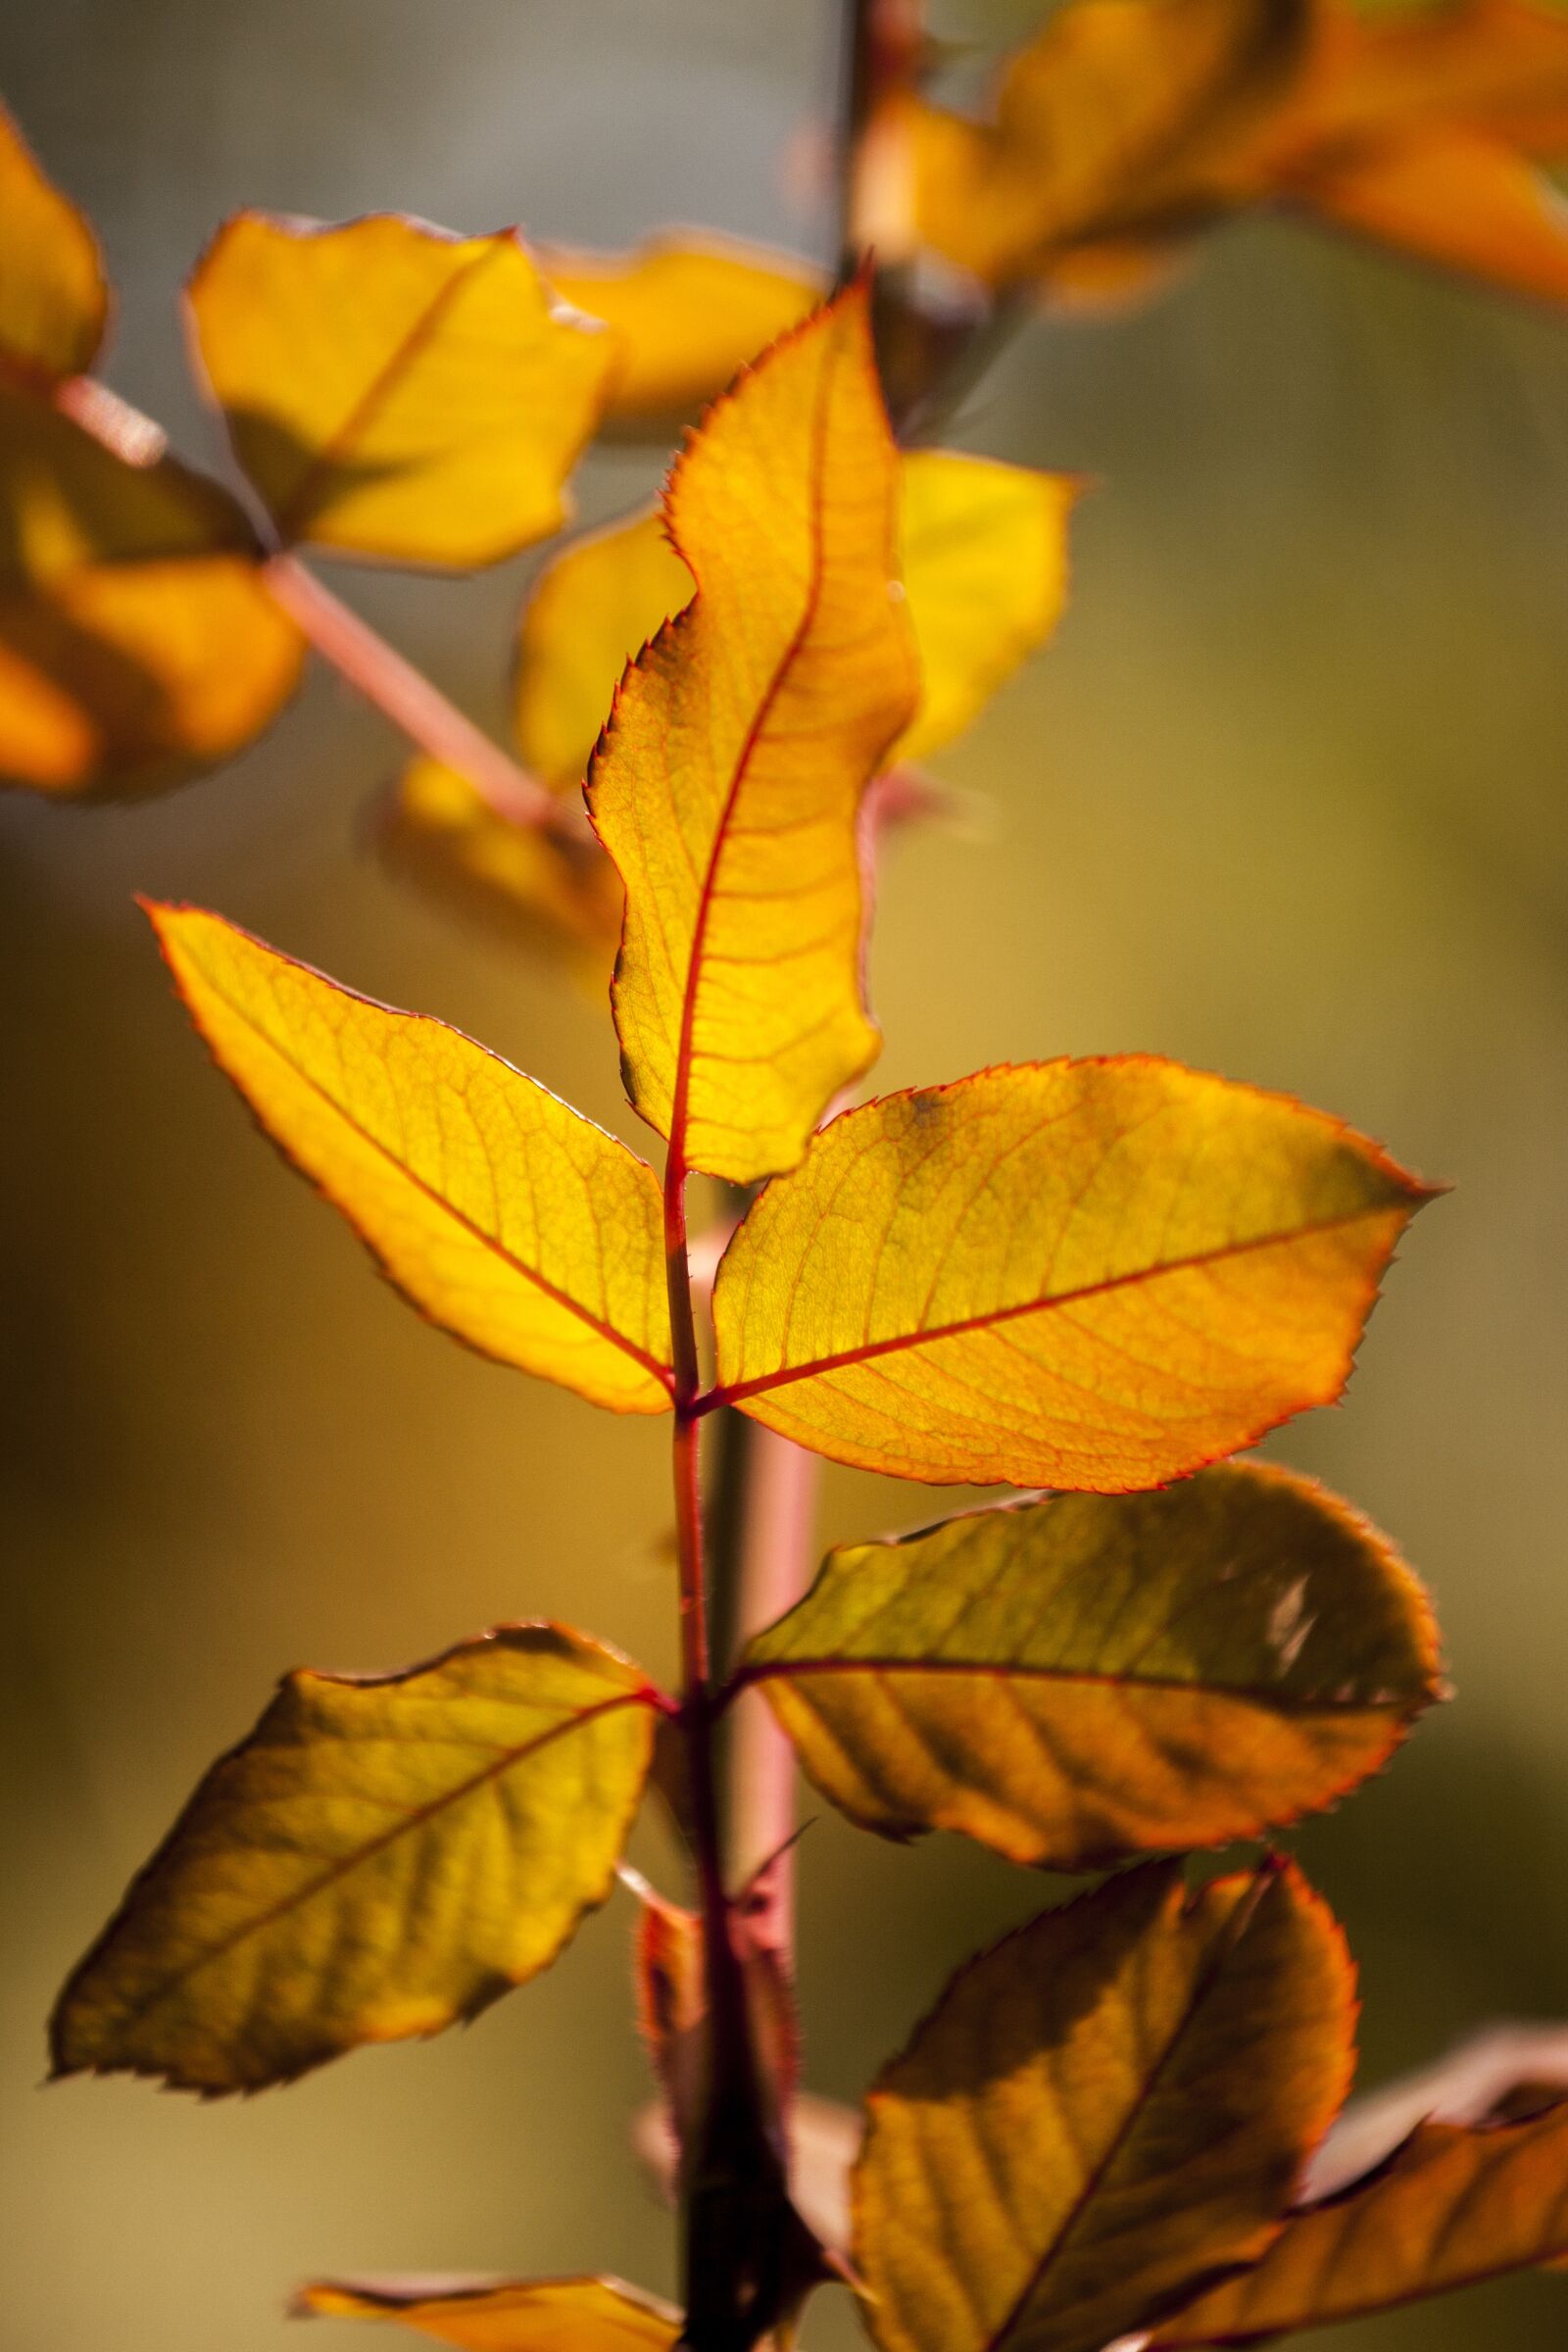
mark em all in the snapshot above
pixel 1455 2204
pixel 500 1212
pixel 727 784
pixel 54 296
pixel 1093 1274
pixel 1076 1680
pixel 1100 2111
pixel 686 311
pixel 498 2315
pixel 395 392
pixel 137 640
pixel 383 1855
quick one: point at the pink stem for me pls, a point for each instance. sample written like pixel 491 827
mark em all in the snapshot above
pixel 409 700
pixel 775 1561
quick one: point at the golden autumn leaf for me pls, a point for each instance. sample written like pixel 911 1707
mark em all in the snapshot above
pixel 529 882
pixel 1455 2204
pixel 54 296
pixel 1453 198
pixel 381 1856
pixel 395 392
pixel 1094 123
pixel 727 784
pixel 591 611
pixel 687 311
pixel 137 642
pixel 1105 2107
pixel 500 1212
pixel 1086 1274
pixel 1495 68
pixel 1079 1679
pixel 500 2315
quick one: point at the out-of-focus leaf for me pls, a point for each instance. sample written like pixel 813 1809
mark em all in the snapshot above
pixel 1454 198
pixel 591 611
pixel 727 784
pixel 1093 1274
pixel 499 2314
pixel 1455 2204
pixel 395 392
pixel 526 880
pixel 1111 106
pixel 54 296
pixel 383 1855
pixel 984 554
pixel 1498 67
pixel 500 1211
pixel 1495 2076
pixel 1075 1680
pixel 137 642
pixel 1109 2106
pixel 687 311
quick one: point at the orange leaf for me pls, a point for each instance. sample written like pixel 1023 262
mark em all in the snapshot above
pixel 530 884
pixel 54 296
pixel 1099 2112
pixel 1455 2204
pixel 1092 1274
pixel 592 608
pixel 137 641
pixel 1075 1680
pixel 497 2315
pixel 727 784
pixel 1497 68
pixel 509 1220
pixel 687 311
pixel 393 391
pixel 1454 198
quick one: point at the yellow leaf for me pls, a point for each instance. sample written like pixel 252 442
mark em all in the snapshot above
pixel 1077 1680
pixel 510 1220
pixel 1093 1274
pixel 137 641
pixel 1454 198
pixel 381 1856
pixel 1457 2204
pixel 532 884
pixel 1110 109
pixel 395 392
pixel 984 552
pixel 1109 2106
pixel 498 2315
pixel 54 296
pixel 593 608
pixel 687 311
pixel 728 782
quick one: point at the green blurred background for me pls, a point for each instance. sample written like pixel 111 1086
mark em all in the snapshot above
pixel 1285 799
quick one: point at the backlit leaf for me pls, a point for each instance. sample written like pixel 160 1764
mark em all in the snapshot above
pixel 984 554
pixel 1498 67
pixel 1455 2204
pixel 591 611
pixel 505 1216
pixel 686 311
pixel 383 1855
pixel 1102 2109
pixel 54 297
pixel 393 391
pixel 728 782
pixel 1095 1274
pixel 499 2314
pixel 137 642
pixel 1112 104
pixel 1453 198
pixel 1075 1680
pixel 530 883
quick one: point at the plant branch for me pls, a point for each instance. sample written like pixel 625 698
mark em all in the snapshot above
pixel 405 695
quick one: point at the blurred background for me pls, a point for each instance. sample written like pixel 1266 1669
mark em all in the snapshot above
pixel 1285 799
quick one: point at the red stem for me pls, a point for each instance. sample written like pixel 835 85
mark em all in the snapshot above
pixel 409 700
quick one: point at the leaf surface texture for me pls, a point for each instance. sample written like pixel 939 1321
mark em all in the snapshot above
pixel 380 1857
pixel 1080 1678
pixel 1096 1275
pixel 509 1220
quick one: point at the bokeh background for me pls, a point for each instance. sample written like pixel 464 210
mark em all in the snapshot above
pixel 1285 799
